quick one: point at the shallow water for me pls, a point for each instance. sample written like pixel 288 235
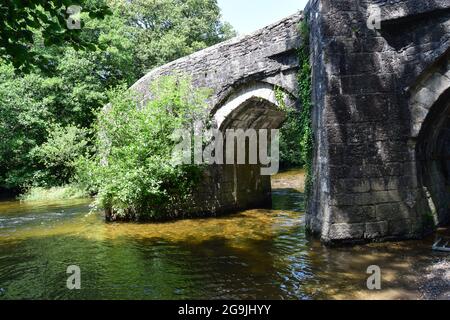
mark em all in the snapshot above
pixel 257 254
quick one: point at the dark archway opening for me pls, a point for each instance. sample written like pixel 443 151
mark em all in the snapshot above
pixel 433 160
pixel 251 189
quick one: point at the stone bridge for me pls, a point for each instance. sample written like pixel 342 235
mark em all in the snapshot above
pixel 381 114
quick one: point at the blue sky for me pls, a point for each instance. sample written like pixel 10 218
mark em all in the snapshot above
pixel 250 15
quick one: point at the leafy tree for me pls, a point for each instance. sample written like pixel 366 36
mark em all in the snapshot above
pixel 26 108
pixel 164 30
pixel 59 154
pixel 20 21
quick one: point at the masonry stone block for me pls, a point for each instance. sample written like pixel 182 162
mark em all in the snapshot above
pixel 376 230
pixel 346 231
pixel 353 214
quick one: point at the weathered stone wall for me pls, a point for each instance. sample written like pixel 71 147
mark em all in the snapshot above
pixel 367 184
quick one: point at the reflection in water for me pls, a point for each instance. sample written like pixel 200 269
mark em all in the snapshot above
pixel 262 254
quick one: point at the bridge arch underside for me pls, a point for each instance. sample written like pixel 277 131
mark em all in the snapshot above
pixel 238 183
pixel 433 162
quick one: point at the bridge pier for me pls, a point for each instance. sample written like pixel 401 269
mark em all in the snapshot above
pixel 376 175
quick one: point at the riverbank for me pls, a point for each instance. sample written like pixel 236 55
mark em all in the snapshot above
pixel 68 192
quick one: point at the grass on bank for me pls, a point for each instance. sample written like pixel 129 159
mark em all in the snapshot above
pixel 69 192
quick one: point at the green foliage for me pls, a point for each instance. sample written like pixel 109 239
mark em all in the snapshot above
pixel 305 93
pixel 68 192
pixel 71 83
pixel 21 21
pixel 296 135
pixel 133 172
pixel 29 106
pixel 26 107
pixel 164 30
pixel 290 134
pixel 59 154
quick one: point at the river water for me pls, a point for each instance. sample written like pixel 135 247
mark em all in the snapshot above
pixel 256 254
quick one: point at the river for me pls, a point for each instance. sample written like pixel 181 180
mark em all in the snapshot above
pixel 256 254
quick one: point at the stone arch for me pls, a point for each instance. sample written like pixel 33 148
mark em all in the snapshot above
pixel 241 74
pixel 430 136
pixel 251 106
pixel 426 93
pixel 256 103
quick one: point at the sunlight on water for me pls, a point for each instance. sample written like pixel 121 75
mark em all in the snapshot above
pixel 261 254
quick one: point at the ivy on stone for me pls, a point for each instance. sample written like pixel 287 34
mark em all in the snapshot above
pixel 305 93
